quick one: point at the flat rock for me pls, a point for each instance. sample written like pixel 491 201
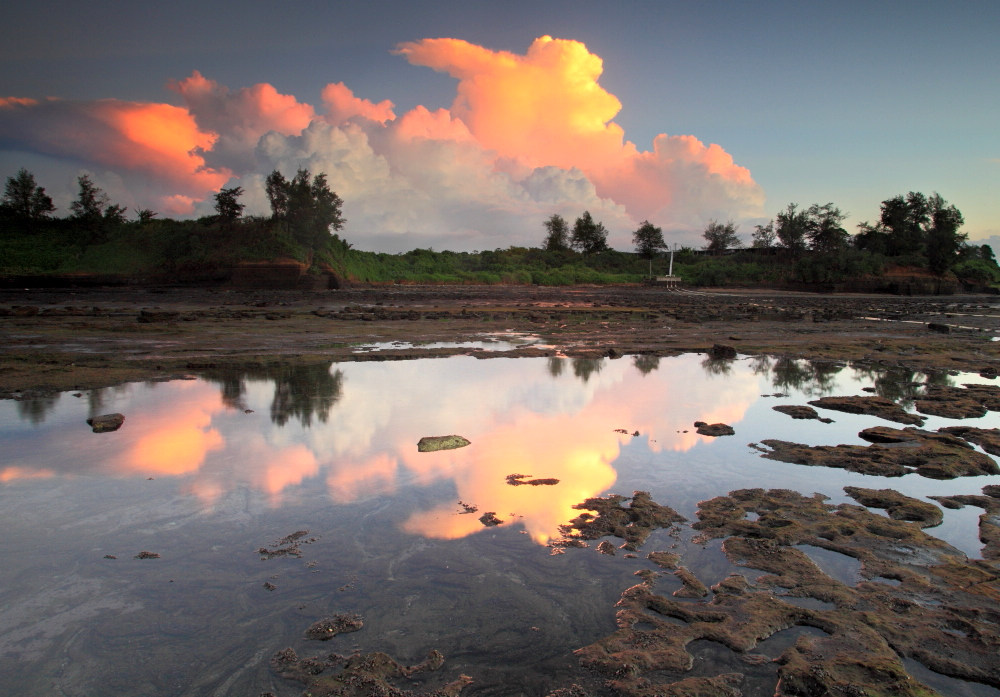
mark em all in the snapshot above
pixel 895 452
pixel 106 422
pixel 872 406
pixel 797 411
pixel 429 444
pixel 966 402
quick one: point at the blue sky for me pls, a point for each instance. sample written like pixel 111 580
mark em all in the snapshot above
pixel 849 102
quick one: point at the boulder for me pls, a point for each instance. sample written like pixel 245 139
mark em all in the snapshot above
pixel 106 422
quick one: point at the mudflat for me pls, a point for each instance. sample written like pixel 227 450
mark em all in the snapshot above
pixel 63 339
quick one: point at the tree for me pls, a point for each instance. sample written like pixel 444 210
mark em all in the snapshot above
pixel 763 236
pixel 228 206
pixel 905 221
pixel 791 226
pixel 144 215
pixel 648 240
pixel 557 239
pixel 306 204
pixel 943 240
pixel 90 202
pixel 589 237
pixel 824 228
pixel 24 199
pixel 721 236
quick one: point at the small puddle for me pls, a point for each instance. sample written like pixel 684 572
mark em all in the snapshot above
pixel 838 566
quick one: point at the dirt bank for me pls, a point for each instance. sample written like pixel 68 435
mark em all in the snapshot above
pixel 60 339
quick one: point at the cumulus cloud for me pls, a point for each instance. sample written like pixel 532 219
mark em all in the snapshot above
pixel 526 136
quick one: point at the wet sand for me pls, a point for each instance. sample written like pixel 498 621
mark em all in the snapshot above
pixel 65 339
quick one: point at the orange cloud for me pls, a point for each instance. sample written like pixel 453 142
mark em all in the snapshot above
pixel 342 105
pixel 175 446
pixel 546 108
pixel 159 141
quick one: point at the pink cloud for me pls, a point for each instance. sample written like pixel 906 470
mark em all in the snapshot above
pixel 342 105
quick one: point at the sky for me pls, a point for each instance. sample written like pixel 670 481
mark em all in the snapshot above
pixel 464 125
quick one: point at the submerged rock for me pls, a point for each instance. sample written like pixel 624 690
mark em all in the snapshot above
pixel 521 479
pixel 429 444
pixel 106 423
pixel 872 406
pixel 326 629
pixel 360 675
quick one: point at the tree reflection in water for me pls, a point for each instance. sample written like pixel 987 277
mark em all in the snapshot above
pixel 300 391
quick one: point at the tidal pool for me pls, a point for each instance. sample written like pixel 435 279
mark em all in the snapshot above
pixel 214 474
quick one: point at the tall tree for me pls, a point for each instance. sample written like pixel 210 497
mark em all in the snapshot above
pixel 306 204
pixel 943 240
pixel 720 236
pixel 648 240
pixel 228 206
pixel 557 233
pixel 824 229
pixel 791 226
pixel 90 201
pixel 589 237
pixel 763 236
pixel 905 221
pixel 24 199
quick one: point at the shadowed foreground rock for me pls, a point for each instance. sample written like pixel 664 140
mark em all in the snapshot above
pixel 919 598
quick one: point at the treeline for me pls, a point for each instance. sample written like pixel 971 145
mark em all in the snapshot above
pixel 800 246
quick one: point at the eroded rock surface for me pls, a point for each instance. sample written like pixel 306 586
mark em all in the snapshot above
pixel 326 629
pixel 939 610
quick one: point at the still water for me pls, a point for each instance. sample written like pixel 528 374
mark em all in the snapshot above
pixel 206 472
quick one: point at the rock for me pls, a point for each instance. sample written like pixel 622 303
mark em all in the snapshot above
pixel 872 406
pixel 607 548
pixel 986 438
pixel 722 351
pixel 939 328
pixel 326 629
pixel 800 412
pixel 522 479
pixel 633 524
pixel 429 444
pixel 898 506
pixel 714 429
pixel 691 587
pixel 967 402
pixel 489 519
pixel 895 453
pixel 106 422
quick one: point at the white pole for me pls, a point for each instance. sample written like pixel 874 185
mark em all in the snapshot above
pixel 671 272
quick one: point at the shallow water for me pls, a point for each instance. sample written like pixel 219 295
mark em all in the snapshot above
pixel 206 472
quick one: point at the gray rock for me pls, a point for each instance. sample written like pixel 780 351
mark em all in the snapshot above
pixel 106 422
